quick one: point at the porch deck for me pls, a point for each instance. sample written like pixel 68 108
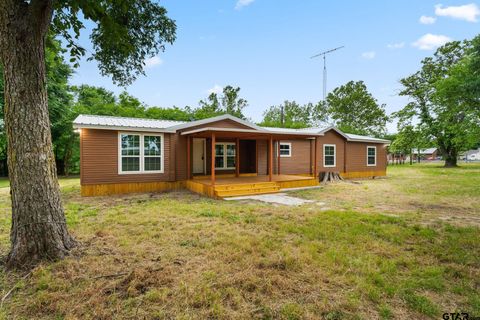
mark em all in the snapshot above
pixel 231 186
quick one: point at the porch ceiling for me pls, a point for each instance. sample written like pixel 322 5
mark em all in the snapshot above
pixel 246 133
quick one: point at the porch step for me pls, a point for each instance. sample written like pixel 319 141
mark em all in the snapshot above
pixel 244 186
pixel 244 192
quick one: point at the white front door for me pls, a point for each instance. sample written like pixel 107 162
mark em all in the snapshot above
pixel 198 156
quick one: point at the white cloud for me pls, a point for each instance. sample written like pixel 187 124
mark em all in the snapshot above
pixel 243 3
pixel 397 45
pixel 216 89
pixel 431 41
pixel 468 12
pixel 369 55
pixel 427 20
pixel 153 62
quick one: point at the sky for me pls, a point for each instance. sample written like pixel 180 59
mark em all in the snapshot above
pixel 264 47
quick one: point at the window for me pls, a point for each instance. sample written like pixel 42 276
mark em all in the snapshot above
pixel 152 157
pixel 225 155
pixel 130 144
pixel 140 153
pixel 371 156
pixel 329 156
pixel 285 149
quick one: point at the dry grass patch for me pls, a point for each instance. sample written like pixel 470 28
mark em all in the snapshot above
pixel 177 255
pixel 427 192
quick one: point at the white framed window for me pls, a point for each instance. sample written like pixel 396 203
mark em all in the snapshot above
pixel 140 153
pixel 329 155
pixel 285 149
pixel 225 155
pixel 371 156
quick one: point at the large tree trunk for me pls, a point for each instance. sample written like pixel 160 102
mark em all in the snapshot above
pixel 39 229
pixel 450 159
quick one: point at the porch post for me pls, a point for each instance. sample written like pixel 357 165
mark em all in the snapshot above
pixel 278 157
pixel 256 156
pixel 270 158
pixel 189 169
pixel 237 157
pixel 212 175
pixel 315 158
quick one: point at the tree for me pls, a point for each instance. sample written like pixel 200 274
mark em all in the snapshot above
pixel 289 115
pixel 232 103
pixel 228 103
pixel 406 141
pixel 444 99
pixel 354 110
pixel 125 34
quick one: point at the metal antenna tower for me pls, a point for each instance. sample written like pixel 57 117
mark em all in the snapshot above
pixel 324 54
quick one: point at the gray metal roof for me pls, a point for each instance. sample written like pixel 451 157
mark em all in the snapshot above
pixel 356 137
pixel 111 122
pixel 425 151
pixel 139 124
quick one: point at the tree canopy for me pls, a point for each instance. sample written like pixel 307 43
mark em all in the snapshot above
pixel 444 98
pixel 290 114
pixel 353 109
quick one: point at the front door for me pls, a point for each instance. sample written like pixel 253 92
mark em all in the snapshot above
pixel 198 156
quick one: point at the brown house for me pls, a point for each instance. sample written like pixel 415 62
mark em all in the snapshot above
pixel 219 157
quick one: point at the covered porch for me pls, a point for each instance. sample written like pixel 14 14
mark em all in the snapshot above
pixel 223 162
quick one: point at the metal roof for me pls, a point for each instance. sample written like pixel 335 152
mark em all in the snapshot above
pixel 356 137
pixel 123 123
pixel 425 151
pixel 139 124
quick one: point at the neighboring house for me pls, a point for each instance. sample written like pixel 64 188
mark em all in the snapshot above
pixel 122 155
pixel 425 154
pixel 471 155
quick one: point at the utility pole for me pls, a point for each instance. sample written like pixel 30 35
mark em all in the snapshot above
pixel 324 54
pixel 282 117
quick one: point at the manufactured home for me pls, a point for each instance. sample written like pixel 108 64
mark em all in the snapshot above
pixel 218 157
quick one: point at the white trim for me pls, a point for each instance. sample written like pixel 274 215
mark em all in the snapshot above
pixel 375 164
pixel 225 156
pixel 141 156
pixel 289 144
pixel 334 155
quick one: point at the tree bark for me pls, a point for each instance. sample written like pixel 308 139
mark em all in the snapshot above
pixel 450 160
pixel 39 228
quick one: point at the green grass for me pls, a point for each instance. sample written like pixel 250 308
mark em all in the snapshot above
pixel 384 249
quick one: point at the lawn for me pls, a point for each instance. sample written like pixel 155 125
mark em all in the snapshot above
pixel 406 246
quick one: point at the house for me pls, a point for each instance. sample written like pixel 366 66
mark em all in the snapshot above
pixel 472 155
pixel 425 154
pixel 219 157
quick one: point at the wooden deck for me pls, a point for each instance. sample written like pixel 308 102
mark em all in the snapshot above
pixel 231 186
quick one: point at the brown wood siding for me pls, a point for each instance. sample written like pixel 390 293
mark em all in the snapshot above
pixel 357 157
pixel 181 156
pixel 99 159
pixel 331 137
pixel 262 156
pixel 299 162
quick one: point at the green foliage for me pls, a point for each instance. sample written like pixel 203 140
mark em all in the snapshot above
pixel 292 115
pixel 126 33
pixel 445 100
pixel 60 108
pixel 354 110
pixel 228 103
pixel 406 140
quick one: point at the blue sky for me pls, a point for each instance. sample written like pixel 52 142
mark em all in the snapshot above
pixel 264 47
